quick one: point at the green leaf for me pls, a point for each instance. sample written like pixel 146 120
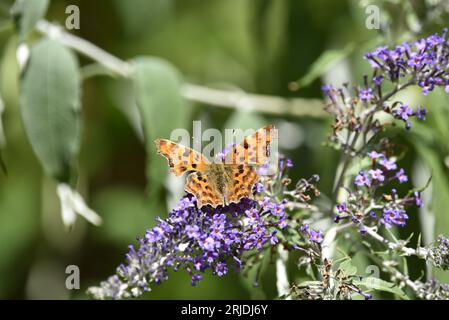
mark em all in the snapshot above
pixel 324 62
pixel 50 106
pixel 380 285
pixel 251 277
pixel 348 268
pixel 27 13
pixel 157 89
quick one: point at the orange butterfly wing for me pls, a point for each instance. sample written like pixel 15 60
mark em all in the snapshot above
pixel 181 158
pixel 200 185
pixel 244 177
pixel 255 149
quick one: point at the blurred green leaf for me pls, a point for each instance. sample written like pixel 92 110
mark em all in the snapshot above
pixel 50 106
pixel 324 62
pixel 157 88
pixel 126 214
pixel 381 285
pixel 348 268
pixel 27 13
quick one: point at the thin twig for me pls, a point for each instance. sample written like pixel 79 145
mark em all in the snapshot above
pixel 407 251
pixel 220 98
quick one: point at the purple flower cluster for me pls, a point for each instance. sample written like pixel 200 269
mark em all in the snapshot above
pixel 195 240
pixel 404 113
pixel 426 61
pixel 314 235
pixel 394 216
pixel 383 170
pixel 389 209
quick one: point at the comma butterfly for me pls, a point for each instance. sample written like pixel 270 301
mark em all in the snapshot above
pixel 227 181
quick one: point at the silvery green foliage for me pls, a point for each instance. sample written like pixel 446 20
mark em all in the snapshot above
pixel 439 253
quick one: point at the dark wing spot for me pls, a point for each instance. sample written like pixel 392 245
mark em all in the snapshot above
pixel 194 165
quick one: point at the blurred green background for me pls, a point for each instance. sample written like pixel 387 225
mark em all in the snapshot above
pixel 258 47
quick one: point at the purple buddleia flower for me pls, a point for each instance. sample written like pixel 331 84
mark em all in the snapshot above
pixel 264 169
pixel 366 94
pixel 282 223
pixel 377 174
pixel 394 216
pixel 329 91
pixel 375 155
pixel 221 269
pixel 418 199
pixel 363 230
pixel 316 236
pixel 342 207
pixel 259 188
pixel 192 231
pixel 427 85
pixel 403 112
pixel 421 113
pixel 196 278
pixel 273 238
pixel 195 240
pixel 304 228
pixel 401 176
pixel 388 164
pixel 377 80
pixel 362 179
pixel 415 60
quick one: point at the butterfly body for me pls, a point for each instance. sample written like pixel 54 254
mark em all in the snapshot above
pixel 218 183
pixel 220 174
